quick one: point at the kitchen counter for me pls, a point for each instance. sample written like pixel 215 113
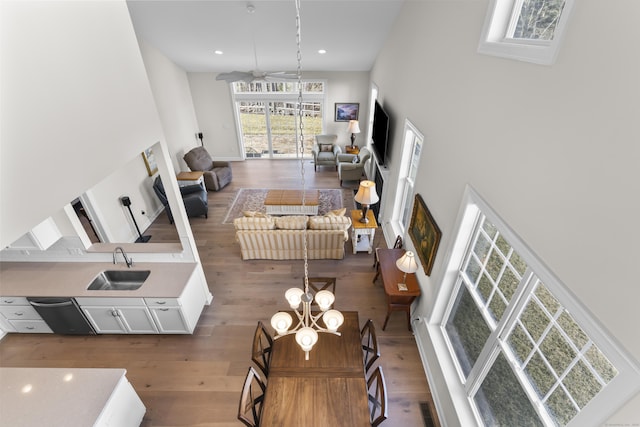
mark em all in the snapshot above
pixel 67 396
pixel 71 279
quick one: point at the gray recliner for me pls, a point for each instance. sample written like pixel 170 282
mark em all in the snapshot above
pixel 194 197
pixel 217 174
pixel 351 167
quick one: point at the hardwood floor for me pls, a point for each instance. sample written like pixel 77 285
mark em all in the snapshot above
pixel 195 380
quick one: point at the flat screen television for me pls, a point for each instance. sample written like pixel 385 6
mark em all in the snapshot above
pixel 380 133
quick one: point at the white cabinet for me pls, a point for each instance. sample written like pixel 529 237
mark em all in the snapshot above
pixel 19 316
pixel 118 315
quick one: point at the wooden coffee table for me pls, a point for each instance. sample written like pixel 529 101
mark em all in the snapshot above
pixel 289 202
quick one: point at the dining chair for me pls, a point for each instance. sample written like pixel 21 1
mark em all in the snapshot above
pixel 250 409
pixel 377 392
pixel 369 340
pixel 376 262
pixel 321 284
pixel 261 351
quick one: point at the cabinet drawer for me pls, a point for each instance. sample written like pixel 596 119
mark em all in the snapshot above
pixel 166 302
pixel 111 302
pixel 23 312
pixel 31 326
pixel 13 301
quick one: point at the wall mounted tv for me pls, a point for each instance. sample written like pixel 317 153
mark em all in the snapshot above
pixel 380 133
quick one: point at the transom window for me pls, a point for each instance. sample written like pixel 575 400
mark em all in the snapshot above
pixel 526 30
pixel 526 353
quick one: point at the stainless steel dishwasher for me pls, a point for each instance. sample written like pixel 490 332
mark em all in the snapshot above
pixel 62 314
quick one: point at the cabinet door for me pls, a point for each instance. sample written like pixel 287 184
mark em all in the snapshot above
pixel 105 320
pixel 137 320
pixel 170 320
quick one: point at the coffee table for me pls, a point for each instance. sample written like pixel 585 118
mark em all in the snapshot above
pixel 289 202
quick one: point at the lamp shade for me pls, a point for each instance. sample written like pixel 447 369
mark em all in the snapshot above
pixel 294 297
pixel 281 322
pixel 407 263
pixel 366 194
pixel 354 127
pixel 324 299
pixel 306 337
pixel 332 319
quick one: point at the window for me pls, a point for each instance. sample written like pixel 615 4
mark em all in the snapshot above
pixel 411 149
pixel 526 30
pixel 525 351
pixel 266 113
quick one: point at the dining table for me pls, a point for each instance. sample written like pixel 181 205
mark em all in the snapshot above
pixel 329 389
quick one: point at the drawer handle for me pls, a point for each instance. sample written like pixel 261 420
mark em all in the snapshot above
pixel 161 302
pixel 30 327
pixel 164 309
pixel 8 301
pixel 19 313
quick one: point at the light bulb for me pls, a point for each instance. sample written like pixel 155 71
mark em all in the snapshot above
pixel 333 319
pixel 294 297
pixel 324 299
pixel 281 322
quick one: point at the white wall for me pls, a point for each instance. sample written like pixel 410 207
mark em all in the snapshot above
pixel 76 105
pixel 553 149
pixel 175 105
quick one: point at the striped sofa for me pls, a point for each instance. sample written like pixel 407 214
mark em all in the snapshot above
pixel 281 238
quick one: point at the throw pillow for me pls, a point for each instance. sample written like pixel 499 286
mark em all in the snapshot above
pixel 249 223
pixel 329 223
pixel 254 214
pixel 336 212
pixel 326 147
pixel 295 222
pixel 355 159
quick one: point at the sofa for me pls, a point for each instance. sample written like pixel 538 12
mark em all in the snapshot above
pixel 279 238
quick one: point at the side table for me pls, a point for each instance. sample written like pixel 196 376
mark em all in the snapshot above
pixel 362 233
pixel 190 178
pixel 397 300
pixel 354 150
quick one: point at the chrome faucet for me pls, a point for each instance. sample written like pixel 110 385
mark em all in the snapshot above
pixel 128 260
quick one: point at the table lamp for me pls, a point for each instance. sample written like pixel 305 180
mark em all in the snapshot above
pixel 366 196
pixel 353 128
pixel 407 264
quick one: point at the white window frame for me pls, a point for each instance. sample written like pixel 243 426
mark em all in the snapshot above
pixel 624 386
pixel 412 142
pixel 494 40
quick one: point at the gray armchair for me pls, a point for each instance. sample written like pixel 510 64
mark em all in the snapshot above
pixel 325 151
pixel 216 174
pixel 352 166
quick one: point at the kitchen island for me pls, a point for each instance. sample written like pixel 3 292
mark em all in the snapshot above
pixel 68 397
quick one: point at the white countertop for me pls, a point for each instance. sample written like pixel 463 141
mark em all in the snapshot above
pixel 31 397
pixel 71 279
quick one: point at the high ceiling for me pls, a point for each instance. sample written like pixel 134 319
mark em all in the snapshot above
pixel 188 32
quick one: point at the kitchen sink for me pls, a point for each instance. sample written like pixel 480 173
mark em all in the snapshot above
pixel 119 280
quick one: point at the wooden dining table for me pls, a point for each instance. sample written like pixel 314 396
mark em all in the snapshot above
pixel 329 389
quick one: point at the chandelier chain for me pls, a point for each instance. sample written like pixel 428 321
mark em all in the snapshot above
pixel 300 136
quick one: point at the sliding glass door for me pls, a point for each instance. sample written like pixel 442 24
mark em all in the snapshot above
pixel 268 118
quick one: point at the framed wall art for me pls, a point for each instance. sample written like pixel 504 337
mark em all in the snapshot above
pixel 346 111
pixel 424 233
pixel 150 161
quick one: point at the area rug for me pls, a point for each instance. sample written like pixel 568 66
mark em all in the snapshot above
pixel 252 199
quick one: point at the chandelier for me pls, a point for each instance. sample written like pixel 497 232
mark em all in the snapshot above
pixel 307 328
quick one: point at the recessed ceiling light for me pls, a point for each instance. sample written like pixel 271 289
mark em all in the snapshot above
pixel 322 51
pixel 218 52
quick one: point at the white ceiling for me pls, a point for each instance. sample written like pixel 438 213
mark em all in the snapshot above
pixel 188 32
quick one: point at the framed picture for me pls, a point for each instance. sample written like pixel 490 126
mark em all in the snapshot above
pixel 424 233
pixel 150 161
pixel 346 111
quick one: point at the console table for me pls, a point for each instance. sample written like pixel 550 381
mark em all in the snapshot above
pixel 397 300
